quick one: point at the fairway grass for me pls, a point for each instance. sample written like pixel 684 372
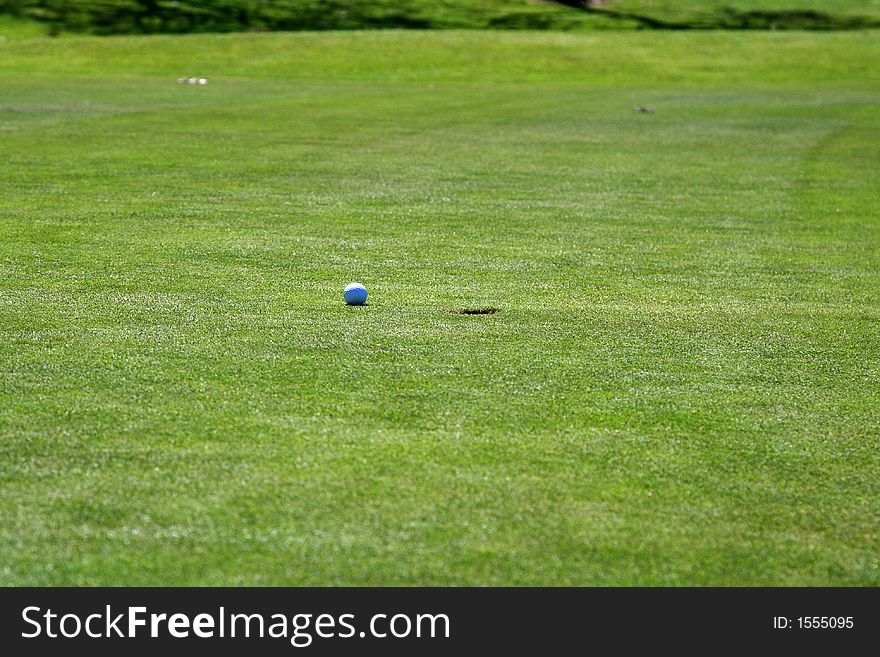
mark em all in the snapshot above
pixel 681 386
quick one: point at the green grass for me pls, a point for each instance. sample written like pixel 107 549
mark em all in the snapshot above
pixel 682 385
pixel 17 29
pixel 690 10
pixel 128 17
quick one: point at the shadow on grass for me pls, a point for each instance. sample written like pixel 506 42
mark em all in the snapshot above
pixel 733 19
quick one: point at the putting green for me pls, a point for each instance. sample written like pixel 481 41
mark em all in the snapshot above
pixel 681 386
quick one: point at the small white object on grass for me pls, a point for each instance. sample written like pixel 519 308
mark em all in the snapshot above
pixel 355 294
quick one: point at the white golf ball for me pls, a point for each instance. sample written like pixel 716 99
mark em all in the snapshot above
pixel 355 294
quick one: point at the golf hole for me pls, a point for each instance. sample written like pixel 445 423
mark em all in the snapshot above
pixel 474 311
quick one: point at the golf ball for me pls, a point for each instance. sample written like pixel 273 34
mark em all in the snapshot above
pixel 355 294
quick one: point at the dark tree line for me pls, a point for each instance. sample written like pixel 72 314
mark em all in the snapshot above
pixel 178 16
